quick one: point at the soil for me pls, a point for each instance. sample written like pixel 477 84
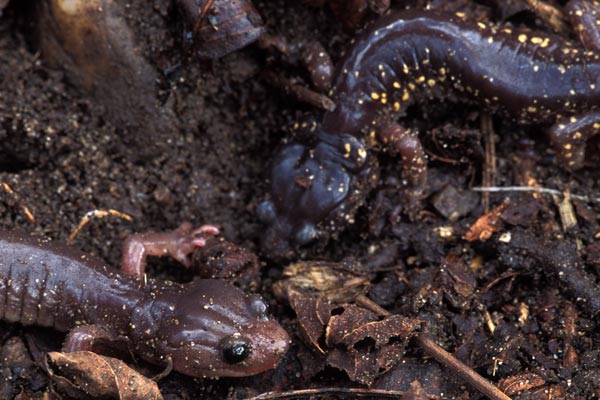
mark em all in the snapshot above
pixel 504 308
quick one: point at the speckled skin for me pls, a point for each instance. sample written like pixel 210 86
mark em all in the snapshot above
pixel 46 284
pixel 414 56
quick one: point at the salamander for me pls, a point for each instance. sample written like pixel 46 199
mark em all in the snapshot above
pixel 412 57
pixel 204 328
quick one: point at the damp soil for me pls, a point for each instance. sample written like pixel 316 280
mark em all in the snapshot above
pixel 505 310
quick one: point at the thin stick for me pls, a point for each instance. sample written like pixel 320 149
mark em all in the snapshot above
pixel 535 189
pixel 356 392
pixel 460 369
pixel 489 168
pixel 96 214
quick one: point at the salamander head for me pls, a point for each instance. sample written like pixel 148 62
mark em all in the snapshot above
pixel 311 189
pixel 209 328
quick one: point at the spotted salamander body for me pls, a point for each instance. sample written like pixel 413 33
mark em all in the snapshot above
pixel 205 328
pixel 415 56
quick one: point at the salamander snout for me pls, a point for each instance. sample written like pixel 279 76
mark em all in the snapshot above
pixel 309 186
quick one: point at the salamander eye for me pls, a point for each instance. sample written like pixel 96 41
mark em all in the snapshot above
pixel 235 349
pixel 258 306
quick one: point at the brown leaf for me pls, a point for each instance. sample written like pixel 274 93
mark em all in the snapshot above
pixel 371 346
pixel 518 383
pixel 487 224
pixel 352 317
pixel 337 282
pixel 306 308
pixel 86 374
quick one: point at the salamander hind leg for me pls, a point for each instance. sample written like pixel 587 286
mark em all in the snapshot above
pixel 570 138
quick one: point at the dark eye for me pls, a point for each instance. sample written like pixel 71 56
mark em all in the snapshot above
pixel 235 349
pixel 258 306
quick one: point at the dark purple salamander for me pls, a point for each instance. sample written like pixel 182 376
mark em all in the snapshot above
pixel 414 56
pixel 205 328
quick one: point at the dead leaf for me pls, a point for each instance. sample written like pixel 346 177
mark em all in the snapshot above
pixel 518 383
pixel 371 346
pixel 337 282
pixel 86 374
pixel 487 224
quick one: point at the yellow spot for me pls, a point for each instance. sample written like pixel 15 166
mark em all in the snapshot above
pixel 383 100
pixel 572 92
pixel 536 68
pixel 592 86
pixel 347 148
pixel 396 106
pixel 361 101
pixel 490 40
pixel 545 43
pixel 375 96
pixel 442 71
pixel 397 85
pixel 531 109
pixel 577 135
pixel 362 153
pixel 562 69
pixel 579 13
pixel 383 74
pixel 573 119
pixel 380 67
pixel 522 38
pixel 431 82
pixel 405 69
pixel 411 86
pixel 536 40
pixel 596 125
pixel 420 79
pixel 481 25
pixel 507 30
pixel 460 14
pixel 568 146
pixel 405 96
pixel 356 73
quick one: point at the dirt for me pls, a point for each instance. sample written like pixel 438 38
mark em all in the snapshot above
pixel 63 156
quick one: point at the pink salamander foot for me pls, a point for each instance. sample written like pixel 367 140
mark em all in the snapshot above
pixel 178 244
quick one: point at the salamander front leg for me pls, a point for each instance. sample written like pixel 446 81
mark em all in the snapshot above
pixel 570 138
pixel 408 145
pixel 178 244
pixel 96 339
